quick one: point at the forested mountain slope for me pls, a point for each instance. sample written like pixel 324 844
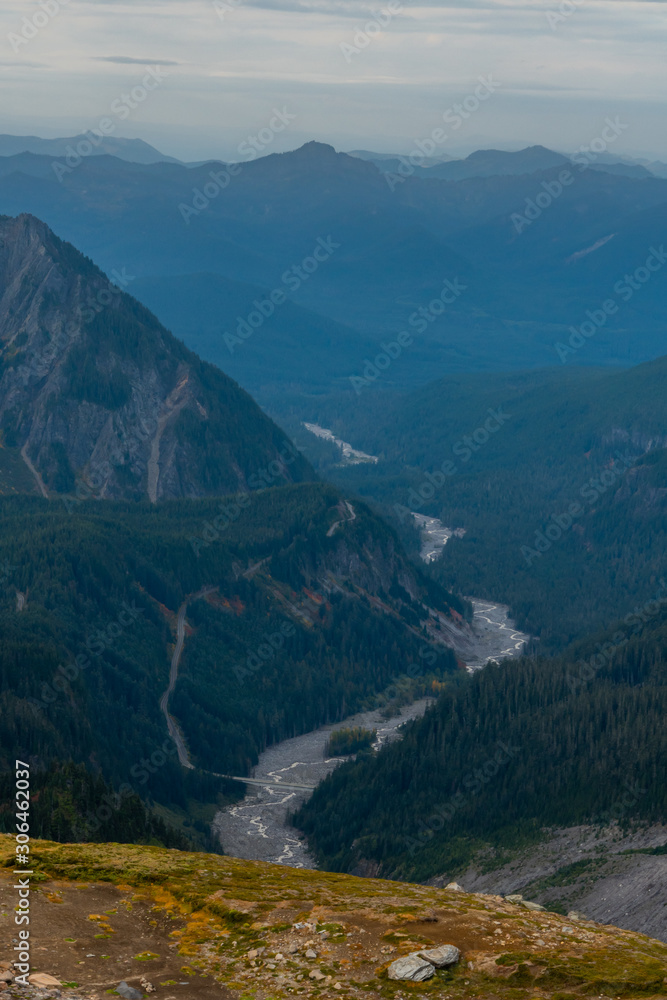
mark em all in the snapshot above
pixel 299 610
pixel 532 744
pixel 505 457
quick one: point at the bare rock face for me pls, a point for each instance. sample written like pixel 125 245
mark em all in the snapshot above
pixel 411 969
pixel 94 391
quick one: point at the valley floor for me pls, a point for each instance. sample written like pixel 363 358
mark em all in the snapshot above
pixel 258 828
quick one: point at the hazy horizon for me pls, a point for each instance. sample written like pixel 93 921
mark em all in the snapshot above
pixel 561 69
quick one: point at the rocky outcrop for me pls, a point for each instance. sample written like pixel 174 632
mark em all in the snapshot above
pixel 413 969
pixel 100 400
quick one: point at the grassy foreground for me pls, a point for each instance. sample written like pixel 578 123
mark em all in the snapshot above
pixel 102 913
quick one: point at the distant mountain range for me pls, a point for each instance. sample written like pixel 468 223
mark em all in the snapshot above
pixel 533 256
pixel 132 150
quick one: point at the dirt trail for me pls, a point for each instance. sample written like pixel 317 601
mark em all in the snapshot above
pixel 172 725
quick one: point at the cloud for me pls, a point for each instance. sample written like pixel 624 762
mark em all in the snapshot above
pixel 130 61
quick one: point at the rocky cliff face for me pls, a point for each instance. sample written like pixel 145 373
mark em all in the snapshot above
pixel 97 397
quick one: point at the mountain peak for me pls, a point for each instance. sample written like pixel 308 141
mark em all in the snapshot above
pixel 93 389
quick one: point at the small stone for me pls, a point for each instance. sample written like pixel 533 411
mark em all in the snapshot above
pixel 148 987
pixel 128 992
pixel 412 969
pixel 311 954
pixel 279 956
pixel 43 979
pixel 6 977
pixel 324 935
pixel 338 986
pixel 542 943
pixel 316 974
pixel 252 953
pixel 443 955
pixel 270 965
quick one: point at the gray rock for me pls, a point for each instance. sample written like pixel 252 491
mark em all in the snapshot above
pixel 444 954
pixel 412 969
pixel 532 906
pixel 514 898
pixel 128 992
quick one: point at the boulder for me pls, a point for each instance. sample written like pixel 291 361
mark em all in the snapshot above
pixel 43 979
pixel 412 969
pixel 128 992
pixel 443 955
pixel 455 886
pixel 532 906
pixel 514 898
pixel 6 977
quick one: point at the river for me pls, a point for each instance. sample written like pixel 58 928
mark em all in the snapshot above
pixel 257 828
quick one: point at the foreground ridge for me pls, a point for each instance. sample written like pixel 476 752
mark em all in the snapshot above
pixel 162 920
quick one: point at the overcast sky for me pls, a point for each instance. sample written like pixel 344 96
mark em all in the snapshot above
pixel 558 81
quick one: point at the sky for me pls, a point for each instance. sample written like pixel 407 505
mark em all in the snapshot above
pixel 376 75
